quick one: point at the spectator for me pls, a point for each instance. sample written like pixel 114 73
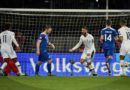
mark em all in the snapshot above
pixel 21 40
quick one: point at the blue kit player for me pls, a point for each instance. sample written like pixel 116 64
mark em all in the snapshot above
pixel 42 46
pixel 108 38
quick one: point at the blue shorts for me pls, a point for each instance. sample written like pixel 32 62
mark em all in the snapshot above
pixel 44 57
pixel 108 52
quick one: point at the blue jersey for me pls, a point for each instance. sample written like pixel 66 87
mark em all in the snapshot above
pixel 44 42
pixel 109 35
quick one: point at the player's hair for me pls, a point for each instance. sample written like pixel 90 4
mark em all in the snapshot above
pixel 85 27
pixel 123 22
pixel 7 26
pixel 108 22
pixel 46 27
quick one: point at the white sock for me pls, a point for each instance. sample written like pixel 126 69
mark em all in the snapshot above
pixel 4 65
pixel 91 68
pixel 85 64
pixel 122 66
pixel 19 67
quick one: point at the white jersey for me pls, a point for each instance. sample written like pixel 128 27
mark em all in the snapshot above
pixel 7 38
pixel 125 33
pixel 88 42
pixel 125 46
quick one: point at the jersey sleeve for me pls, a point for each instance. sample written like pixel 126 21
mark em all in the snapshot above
pixel 92 39
pixel 102 32
pixel 93 45
pixel 14 40
pixel 41 36
pixel 120 32
pixel 78 44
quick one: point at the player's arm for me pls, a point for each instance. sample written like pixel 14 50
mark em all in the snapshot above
pixel 76 46
pixel 116 36
pixel 101 38
pixel 38 43
pixel 15 42
pixel 93 45
pixel 120 35
pixel 51 45
pixel 38 46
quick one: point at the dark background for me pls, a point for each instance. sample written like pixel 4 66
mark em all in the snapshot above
pixel 66 4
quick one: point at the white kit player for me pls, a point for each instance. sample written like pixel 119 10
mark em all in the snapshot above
pixel 89 50
pixel 124 35
pixel 7 51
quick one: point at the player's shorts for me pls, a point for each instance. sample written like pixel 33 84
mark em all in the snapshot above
pixel 108 52
pixel 85 57
pixel 125 49
pixel 44 57
pixel 8 52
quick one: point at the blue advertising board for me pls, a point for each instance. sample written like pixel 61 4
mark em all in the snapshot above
pixel 61 65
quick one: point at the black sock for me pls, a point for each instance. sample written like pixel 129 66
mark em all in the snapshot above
pixel 49 67
pixel 37 69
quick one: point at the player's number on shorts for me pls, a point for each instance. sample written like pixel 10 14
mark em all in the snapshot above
pixel 128 35
pixel 4 38
pixel 108 37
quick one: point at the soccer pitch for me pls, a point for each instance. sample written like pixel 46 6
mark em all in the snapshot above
pixel 64 83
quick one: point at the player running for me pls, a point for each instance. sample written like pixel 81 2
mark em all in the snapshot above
pixel 108 37
pixel 42 45
pixel 124 36
pixel 7 51
pixel 89 50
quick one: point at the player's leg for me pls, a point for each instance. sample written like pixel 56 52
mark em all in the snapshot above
pixel 88 63
pixel 38 64
pixel 83 59
pixel 108 63
pixel 5 62
pixel 7 70
pixel 49 67
pixel 128 65
pixel 13 57
pixel 49 62
pixel 11 66
pixel 14 67
pixel 108 55
pixel 4 65
pixel 122 57
pixel 122 63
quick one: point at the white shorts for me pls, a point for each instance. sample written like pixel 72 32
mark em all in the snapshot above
pixel 8 52
pixel 125 49
pixel 85 57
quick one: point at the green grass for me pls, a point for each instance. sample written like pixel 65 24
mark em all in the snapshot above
pixel 64 83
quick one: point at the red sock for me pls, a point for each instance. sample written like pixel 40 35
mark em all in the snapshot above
pixel 7 70
pixel 13 67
